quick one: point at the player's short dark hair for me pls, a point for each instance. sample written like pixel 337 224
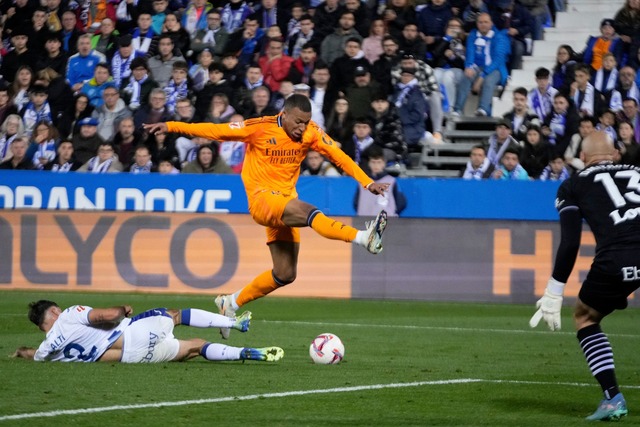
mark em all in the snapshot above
pixel 521 90
pixel 306 17
pixel 632 99
pixel 298 101
pixel 37 310
pixel 542 73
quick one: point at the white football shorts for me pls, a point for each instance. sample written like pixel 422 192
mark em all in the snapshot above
pixel 149 338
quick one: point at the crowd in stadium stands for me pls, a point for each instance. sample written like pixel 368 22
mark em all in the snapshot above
pixel 80 77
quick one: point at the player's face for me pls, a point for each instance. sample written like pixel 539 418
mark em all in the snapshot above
pixel 295 122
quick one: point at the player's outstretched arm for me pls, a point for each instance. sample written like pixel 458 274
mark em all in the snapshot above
pixel 24 353
pixel 549 306
pixel 99 316
pixel 378 188
pixel 155 128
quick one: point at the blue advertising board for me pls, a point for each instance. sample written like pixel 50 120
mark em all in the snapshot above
pixel 207 193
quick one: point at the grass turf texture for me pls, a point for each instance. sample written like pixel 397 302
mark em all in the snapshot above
pixel 386 343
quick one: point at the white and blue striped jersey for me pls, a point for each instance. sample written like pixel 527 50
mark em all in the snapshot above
pixel 73 339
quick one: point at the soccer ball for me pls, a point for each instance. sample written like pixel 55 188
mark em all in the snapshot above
pixel 326 349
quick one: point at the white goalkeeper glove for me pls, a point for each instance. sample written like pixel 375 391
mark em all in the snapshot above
pixel 549 306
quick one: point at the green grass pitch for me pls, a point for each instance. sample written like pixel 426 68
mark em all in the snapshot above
pixel 402 360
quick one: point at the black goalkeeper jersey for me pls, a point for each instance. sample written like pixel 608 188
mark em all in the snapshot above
pixel 607 196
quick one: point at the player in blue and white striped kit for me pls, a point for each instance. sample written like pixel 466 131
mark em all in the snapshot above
pixel 86 334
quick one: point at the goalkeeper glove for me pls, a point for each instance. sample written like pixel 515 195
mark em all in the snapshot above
pixel 549 306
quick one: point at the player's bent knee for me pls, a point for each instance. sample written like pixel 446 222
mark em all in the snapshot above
pixel 284 279
pixel 189 349
pixel 584 315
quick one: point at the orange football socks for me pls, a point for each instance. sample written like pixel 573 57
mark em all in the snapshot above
pixel 262 285
pixel 330 228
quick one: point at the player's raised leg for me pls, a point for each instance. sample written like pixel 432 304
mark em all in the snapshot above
pixel 284 255
pixel 205 319
pixel 299 214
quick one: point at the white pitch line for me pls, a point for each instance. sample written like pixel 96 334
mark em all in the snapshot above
pixel 283 394
pixel 437 328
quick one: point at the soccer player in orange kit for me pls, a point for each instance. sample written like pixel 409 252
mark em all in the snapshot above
pixel 276 146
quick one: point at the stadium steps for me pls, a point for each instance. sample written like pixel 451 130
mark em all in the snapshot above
pixel 573 27
pixel 445 160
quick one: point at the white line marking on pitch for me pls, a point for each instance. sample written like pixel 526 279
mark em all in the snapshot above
pixel 436 328
pixel 283 394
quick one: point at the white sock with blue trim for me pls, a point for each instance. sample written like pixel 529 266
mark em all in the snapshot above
pixel 205 319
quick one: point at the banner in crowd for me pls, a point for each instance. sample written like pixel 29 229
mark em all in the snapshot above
pixel 208 193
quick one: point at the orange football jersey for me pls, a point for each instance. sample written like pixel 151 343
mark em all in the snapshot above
pixel 272 160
